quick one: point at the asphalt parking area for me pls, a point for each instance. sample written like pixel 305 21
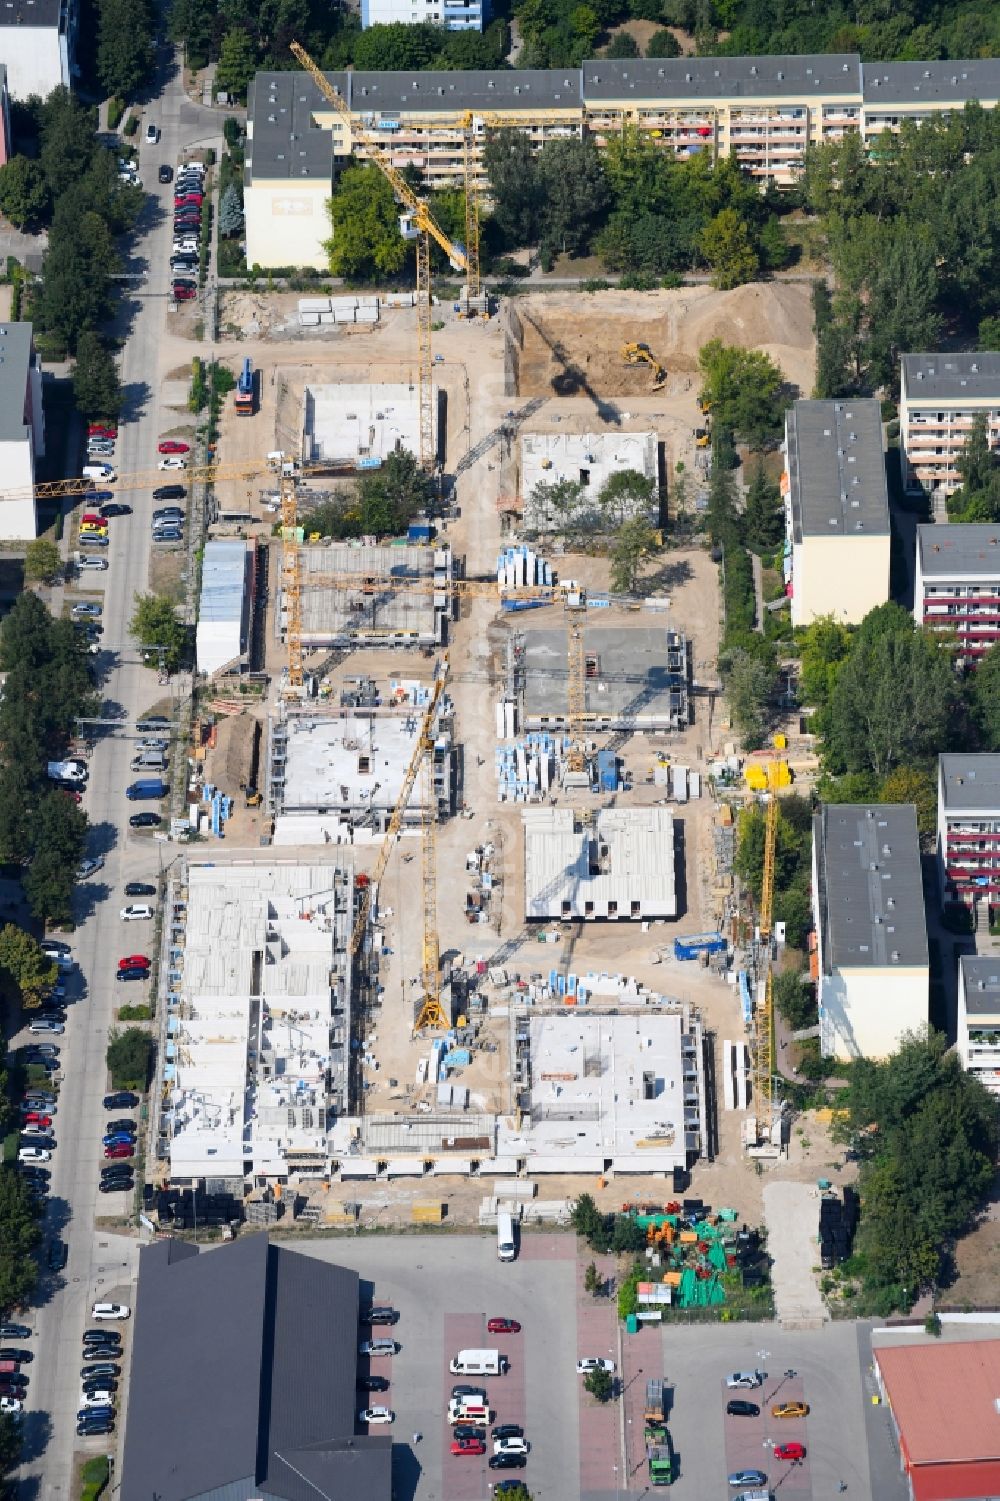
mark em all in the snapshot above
pixel 750 1442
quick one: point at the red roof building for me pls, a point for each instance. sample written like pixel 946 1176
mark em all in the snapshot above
pixel 945 1406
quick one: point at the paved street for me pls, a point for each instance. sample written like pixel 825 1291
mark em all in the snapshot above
pixel 102 1264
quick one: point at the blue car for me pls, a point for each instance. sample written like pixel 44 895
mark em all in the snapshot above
pixel 97 497
pixel 119 1139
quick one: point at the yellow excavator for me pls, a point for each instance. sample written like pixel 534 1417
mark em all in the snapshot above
pixel 639 354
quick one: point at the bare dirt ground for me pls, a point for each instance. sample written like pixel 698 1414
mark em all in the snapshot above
pixel 977 1260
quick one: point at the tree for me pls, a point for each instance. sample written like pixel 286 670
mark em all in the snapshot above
pixel 721 519
pixel 725 244
pixel 917 785
pixel 24 193
pixel 574 194
pixel 744 390
pixel 634 541
pixel 237 63
pixel 763 512
pixel 42 561
pixel 824 645
pixel 59 835
pixel 989 328
pixel 10 1444
pixel 19 1236
pixel 978 465
pixel 592 1280
pixel 600 1384
pixel 67 140
pixel 129 1056
pixel 626 495
pixel 76 291
pixel 366 243
pixel 96 387
pixel 774 248
pixel 985 699
pixel 395 47
pixel 623 45
pixel 512 169
pixel 231 211
pixel 795 998
pixel 124 47
pixel 663 43
pixel 155 624
pixel 21 958
pixel 750 684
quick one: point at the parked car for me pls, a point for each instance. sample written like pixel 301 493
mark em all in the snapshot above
pixel 33 1154
pixel 87 610
pixel 792 1452
pixel 119 1151
pixel 738 1408
pixel 40 1024
pixel 115 509
pixel 118 1139
pixel 97 1366
pixel 165 173
pixel 152 135
pixel 507 1461
pixel 136 912
pixel 503 1326
pixel 34 1118
pixel 471 1446
pixel 593 1363
pixel 144 821
pixel 114 1311
pixel 165 492
pixel 745 1379
pixel 133 961
pixel 748 1477
pixel 139 888
pixel 10 1404
pixel 58 1255
pixel 15 1331
pixel 172 462
pixel 372 1384
pixel 790 1410
pixel 23 1357
pixel 508 1430
pixel 89 866
pixel 116 1185
pixel 184 294
pixel 168 513
pixel 102 429
pixel 378 1347
pixel 85 563
pixel 100 1384
pixel 122 1099
pixel 167 534
pixel 374 1415
pixel 132 973
pixel 469 1391
pixel 96 1399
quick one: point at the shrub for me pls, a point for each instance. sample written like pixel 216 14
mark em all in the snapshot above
pixel 116 108
pixel 131 125
pixel 138 1013
pixel 129 1056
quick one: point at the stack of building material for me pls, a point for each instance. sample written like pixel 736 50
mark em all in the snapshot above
pixel 312 310
pixel 528 768
pixel 520 568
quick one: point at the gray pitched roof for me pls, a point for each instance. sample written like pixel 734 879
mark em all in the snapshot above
pixel 836 469
pixel 969 782
pixel 243 1370
pixel 794 77
pixel 15 359
pixel 870 895
pixel 951 377
pixel 502 89
pixel 951 81
pixel 981 976
pixel 952 549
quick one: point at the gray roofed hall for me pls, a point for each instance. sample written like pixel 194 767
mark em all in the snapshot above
pixel 969 783
pixel 794 77
pixel 836 469
pixel 871 901
pixel 947 549
pixel 951 377
pixel 243 1378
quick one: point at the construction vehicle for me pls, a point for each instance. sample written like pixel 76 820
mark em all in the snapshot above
pixel 417 223
pixel 702 437
pixel 244 398
pixel 639 354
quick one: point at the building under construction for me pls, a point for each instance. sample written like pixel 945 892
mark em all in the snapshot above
pixel 635 680
pixel 618 863
pixel 355 595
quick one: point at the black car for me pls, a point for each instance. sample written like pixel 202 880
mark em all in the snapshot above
pixel 99 1336
pixel 738 1408
pixel 58 1255
pixel 508 1430
pixel 133 972
pixel 142 821
pixel 23 1357
pixel 123 1099
pixel 463 1430
pixel 116 509
pixel 15 1388
pixel 116 1185
pixel 14 1331
pixel 95 1422
pixel 469 1391
pixel 50 1014
pixel 164 492
pixel 372 1384
pixel 31 1171
pixel 508 1461
pixel 100 1365
pixel 165 173
pixel 139 888
pixel 99 1384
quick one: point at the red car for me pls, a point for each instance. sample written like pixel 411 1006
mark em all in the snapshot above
pixel 115 1153
pixel 789 1451
pixel 100 430
pixel 134 961
pixel 190 200
pixel 184 294
pixel 468 1446
pixel 71 792
pixel 503 1326
pixel 33 1118
pixel 171 445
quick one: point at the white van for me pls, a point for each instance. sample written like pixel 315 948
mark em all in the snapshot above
pixel 149 760
pixel 99 471
pixel 761 1495
pixel 506 1244
pixel 471 1412
pixel 479 1363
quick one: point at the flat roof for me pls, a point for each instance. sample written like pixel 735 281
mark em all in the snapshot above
pixel 969 783
pixel 373 605
pixel 797 77
pixel 620 865
pixel 981 985
pixel 351 761
pixel 951 377
pixel 29 15
pixel 951 548
pixel 836 469
pixel 362 421
pixel 944 1399
pixel 285 141
pixel 931 82
pixel 504 89
pixel 15 360
pixel 633 677
pixel 223 581
pixel 871 894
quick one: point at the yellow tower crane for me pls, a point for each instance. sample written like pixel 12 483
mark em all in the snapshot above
pixel 416 223
pixel 762 1039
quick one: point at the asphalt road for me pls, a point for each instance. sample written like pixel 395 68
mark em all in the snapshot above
pixel 102 1264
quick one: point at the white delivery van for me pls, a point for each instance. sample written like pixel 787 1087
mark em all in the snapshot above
pixel 479 1363
pixel 471 1412
pixel 506 1244
pixel 99 471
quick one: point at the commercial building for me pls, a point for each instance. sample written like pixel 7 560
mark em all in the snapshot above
pixel 871 934
pixel 968 831
pixel 957 585
pixel 22 431
pixel 257 1022
pixel 242 1380
pixel 453 15
pixel 765 112
pixel 38 43
pixel 336 776
pixel 228 588
pixel 635 680
pixel 360 595
pixel 940 396
pixel 361 422
pixel 607 1094
pixel 978 1039
pixel 587 460
pixel 942 1401
pixel 619 865
pixel 836 510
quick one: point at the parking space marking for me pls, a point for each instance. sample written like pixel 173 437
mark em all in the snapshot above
pixel 463 1477
pixel 750 1441
pixel 597 1334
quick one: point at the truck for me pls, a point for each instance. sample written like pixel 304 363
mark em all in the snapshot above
pixel 699 943
pixel 506 1243
pixel 479 1363
pixel 146 789
pixel 653 1411
pixel 244 401
pixel 661 1460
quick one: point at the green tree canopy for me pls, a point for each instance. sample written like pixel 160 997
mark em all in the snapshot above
pixel 978 465
pixel 763 513
pixel 727 247
pixel 124 46
pixel 573 193
pixel 237 63
pixel 21 958
pixel 744 390
pixel 96 386
pixel 129 1058
pixel 19 1237
pixel 635 540
pixel 750 683
pixel 985 699
pixel 59 839
pixel 366 243
pixel 155 624
pixel 625 495
pixel 512 169
pixel 42 561
pixel 24 193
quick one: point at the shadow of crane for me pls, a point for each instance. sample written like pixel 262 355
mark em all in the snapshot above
pixel 572 381
pixel 505 431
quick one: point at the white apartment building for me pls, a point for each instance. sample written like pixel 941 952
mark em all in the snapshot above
pixel 968 831
pixel 940 395
pixel 957 585
pixel 453 15
pixel 38 45
pixel 836 510
pixel 22 431
pixel 871 935
pixel 978 1039
pixel 257 1026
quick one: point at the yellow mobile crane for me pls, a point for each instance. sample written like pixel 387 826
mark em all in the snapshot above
pixel 416 223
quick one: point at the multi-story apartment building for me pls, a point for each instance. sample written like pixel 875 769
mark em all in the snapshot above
pixel 978 1039
pixel 38 45
pixel 957 585
pixel 940 395
pixel 871 935
pixel 968 831
pixel 453 15
pixel 22 430
pixel 764 111
pixel 836 510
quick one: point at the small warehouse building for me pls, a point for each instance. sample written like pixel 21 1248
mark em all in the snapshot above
pixel 588 460
pixel 836 510
pixel 222 638
pixel 244 1363
pixel 942 1398
pixel 361 422
pixel 358 595
pixel 622 866
pixel 635 680
pixel 871 933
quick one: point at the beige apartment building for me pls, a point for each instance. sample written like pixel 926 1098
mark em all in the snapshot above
pixel 764 111
pixel 940 395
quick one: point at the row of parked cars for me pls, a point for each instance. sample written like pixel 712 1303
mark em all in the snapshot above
pixel 189 197
pixel 101 1371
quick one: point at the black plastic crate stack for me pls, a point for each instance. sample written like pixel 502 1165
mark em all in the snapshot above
pixel 837 1222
